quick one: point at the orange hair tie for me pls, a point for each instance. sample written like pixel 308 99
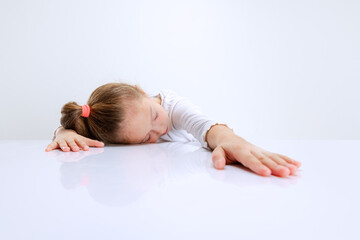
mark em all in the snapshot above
pixel 85 110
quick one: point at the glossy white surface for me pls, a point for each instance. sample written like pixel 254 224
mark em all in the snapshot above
pixel 171 191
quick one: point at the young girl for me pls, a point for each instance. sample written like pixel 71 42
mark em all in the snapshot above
pixel 124 114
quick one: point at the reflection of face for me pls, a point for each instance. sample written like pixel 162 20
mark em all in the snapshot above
pixel 146 121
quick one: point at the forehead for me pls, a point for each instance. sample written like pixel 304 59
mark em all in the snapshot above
pixel 137 121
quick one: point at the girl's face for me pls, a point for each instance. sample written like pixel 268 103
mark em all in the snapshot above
pixel 146 121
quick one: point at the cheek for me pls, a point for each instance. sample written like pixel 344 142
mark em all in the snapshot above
pixel 162 115
pixel 165 118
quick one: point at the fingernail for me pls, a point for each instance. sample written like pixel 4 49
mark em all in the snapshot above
pixel 266 171
pixel 291 166
pixel 217 162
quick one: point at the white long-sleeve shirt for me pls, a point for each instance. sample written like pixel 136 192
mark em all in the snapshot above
pixel 188 123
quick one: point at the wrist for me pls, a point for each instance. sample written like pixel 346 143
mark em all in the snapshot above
pixel 218 134
pixel 60 130
pixel 56 132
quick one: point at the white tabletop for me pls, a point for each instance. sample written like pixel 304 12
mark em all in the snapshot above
pixel 171 191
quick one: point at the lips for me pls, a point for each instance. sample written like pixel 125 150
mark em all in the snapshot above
pixel 167 129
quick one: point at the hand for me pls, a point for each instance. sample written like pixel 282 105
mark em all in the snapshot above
pixel 256 159
pixel 67 139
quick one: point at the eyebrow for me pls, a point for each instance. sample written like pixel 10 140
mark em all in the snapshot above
pixel 150 121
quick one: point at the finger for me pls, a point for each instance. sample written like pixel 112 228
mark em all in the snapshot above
pixel 71 143
pixel 290 160
pixel 82 144
pixel 63 145
pixel 93 143
pixel 276 158
pixel 251 162
pixel 276 169
pixel 218 158
pixel 52 146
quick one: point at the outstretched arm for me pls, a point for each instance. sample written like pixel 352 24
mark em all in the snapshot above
pixel 229 148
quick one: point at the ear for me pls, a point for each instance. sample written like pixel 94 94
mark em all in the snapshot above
pixel 139 88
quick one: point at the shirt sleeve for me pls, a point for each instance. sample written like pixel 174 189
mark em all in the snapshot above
pixel 189 117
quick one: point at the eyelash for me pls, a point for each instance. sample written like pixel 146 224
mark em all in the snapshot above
pixel 149 136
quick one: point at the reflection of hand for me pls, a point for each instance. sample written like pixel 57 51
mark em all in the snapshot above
pixel 255 158
pixel 74 156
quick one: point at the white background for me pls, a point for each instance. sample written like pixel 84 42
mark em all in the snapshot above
pixel 270 69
